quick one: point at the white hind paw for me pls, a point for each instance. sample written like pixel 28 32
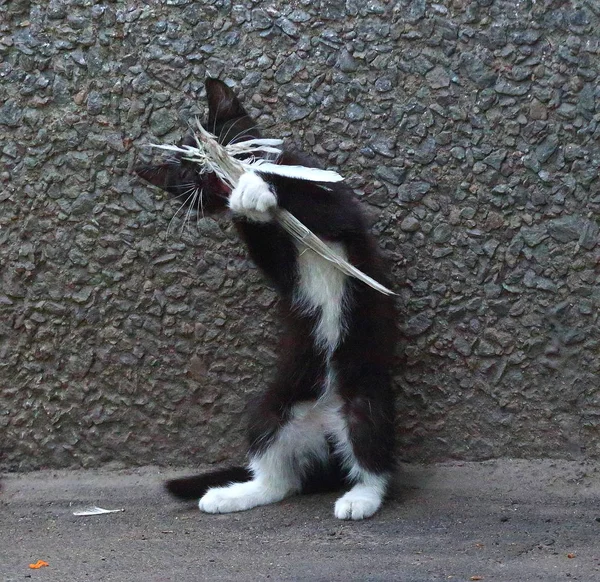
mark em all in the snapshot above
pixel 354 508
pixel 253 198
pixel 363 500
pixel 238 497
pixel 220 500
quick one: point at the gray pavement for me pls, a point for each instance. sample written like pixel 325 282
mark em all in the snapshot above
pixel 493 521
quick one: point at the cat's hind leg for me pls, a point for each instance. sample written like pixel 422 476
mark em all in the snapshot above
pixel 277 468
pixel 286 427
pixel 364 499
pixel 364 433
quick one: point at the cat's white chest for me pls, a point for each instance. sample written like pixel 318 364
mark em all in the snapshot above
pixel 322 287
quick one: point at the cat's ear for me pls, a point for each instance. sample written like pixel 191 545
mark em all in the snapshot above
pixel 223 104
pixel 155 175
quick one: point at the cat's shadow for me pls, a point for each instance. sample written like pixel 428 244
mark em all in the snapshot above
pixel 409 480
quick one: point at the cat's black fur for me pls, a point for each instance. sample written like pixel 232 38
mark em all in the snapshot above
pixel 362 358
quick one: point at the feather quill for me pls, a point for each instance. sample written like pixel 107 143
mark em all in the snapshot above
pixel 211 156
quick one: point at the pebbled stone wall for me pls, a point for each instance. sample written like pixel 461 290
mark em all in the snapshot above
pixel 132 333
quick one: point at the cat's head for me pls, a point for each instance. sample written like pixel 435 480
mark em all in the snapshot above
pixel 229 121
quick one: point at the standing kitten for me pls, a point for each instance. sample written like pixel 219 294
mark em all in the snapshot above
pixel 327 419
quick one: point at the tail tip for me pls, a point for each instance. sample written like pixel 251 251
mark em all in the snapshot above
pixel 177 488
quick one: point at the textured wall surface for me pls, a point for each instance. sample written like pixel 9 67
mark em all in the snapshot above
pixel 470 130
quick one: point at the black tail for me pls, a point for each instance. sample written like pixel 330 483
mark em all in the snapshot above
pixel 196 486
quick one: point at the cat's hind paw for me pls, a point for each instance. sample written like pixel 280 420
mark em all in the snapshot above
pixel 354 505
pixel 237 497
pixel 253 198
pixel 220 500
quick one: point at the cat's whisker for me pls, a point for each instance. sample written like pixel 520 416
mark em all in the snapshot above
pixel 229 129
pixel 220 136
pixel 184 193
pixel 241 133
pixel 185 219
pixel 180 207
pixel 201 202
pixel 199 209
pixel 190 209
pixel 194 206
pixel 217 116
pixel 155 170
pixel 173 219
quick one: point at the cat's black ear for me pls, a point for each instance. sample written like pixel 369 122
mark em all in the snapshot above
pixel 155 175
pixel 223 104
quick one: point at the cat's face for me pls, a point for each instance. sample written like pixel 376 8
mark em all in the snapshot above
pixel 204 192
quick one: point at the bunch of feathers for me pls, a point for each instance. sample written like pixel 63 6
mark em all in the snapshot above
pixel 229 162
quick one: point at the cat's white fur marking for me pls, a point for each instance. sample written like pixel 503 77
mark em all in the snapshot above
pixel 322 287
pixel 253 198
pixel 239 497
pixel 368 491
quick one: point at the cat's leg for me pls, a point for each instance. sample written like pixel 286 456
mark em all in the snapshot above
pixel 286 429
pixel 253 198
pixel 365 498
pixel 279 467
pixel 364 433
pixel 273 480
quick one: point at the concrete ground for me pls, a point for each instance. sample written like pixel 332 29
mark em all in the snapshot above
pixel 500 521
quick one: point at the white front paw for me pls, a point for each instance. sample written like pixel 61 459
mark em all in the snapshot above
pixel 253 198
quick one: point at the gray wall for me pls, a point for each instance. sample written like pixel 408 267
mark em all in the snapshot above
pixel 469 129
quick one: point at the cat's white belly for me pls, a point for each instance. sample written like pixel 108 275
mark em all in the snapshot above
pixel 322 288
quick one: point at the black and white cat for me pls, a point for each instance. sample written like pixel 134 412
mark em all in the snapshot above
pixel 327 420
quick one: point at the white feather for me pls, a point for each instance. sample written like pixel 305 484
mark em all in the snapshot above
pixel 298 172
pixel 259 141
pixel 95 511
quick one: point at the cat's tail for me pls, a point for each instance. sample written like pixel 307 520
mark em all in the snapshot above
pixel 196 486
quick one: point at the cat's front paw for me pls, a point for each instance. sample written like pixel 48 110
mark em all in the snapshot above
pixel 356 506
pixel 253 198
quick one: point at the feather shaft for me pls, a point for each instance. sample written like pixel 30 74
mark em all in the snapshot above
pixel 305 236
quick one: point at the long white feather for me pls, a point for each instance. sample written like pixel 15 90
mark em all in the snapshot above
pixel 259 141
pixel 298 172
